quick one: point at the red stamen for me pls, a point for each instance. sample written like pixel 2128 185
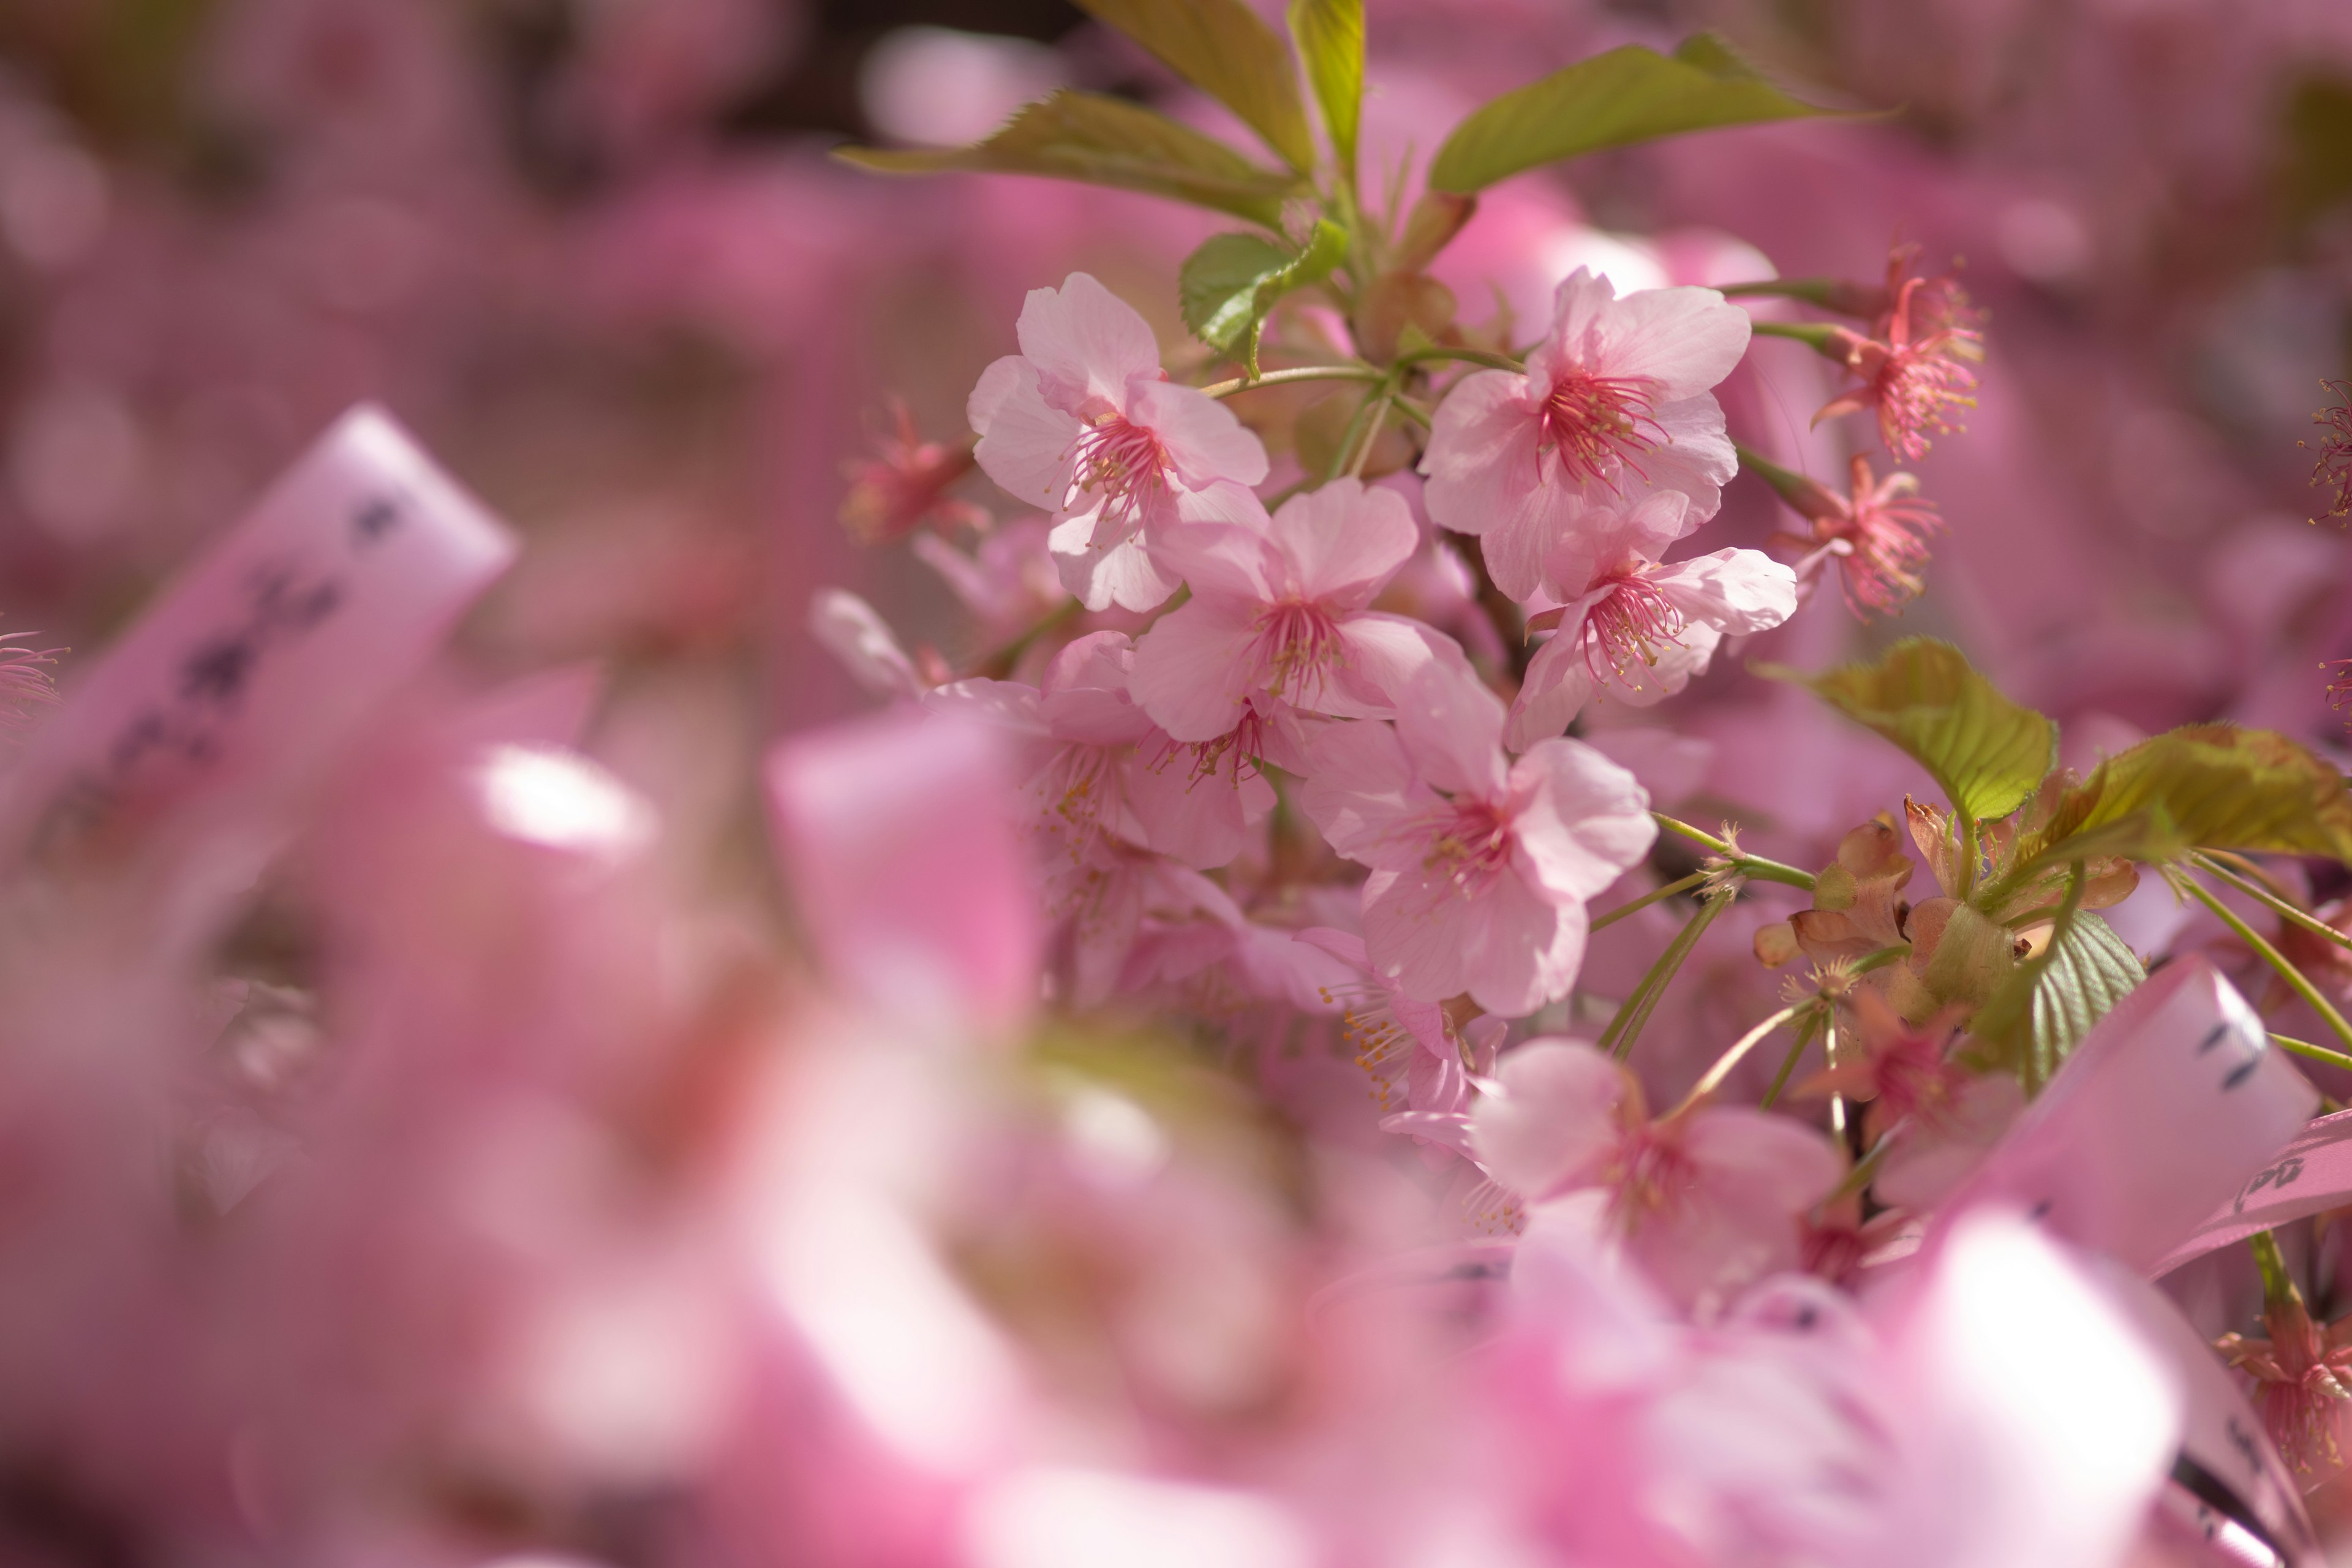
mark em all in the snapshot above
pixel 1595 424
pixel 1633 624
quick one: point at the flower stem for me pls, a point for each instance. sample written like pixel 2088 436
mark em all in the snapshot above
pixel 2316 1053
pixel 1647 899
pixel 1626 1027
pixel 1467 356
pixel 1381 406
pixel 1788 1065
pixel 1747 865
pixel 2287 972
pixel 1826 293
pixel 1819 336
pixel 1288 377
pixel 1863 1170
pixel 2278 1285
pixel 1714 1076
pixel 1969 854
pixel 2270 901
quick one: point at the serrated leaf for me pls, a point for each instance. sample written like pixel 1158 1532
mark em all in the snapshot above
pixel 1228 285
pixel 2212 787
pixel 1100 140
pixel 1221 48
pixel 1614 99
pixel 2034 1021
pixel 1331 39
pixel 1986 752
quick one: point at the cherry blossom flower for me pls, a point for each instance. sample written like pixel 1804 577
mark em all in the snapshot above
pixel 1631 627
pixel 2303 1382
pixel 1943 1117
pixel 1084 423
pixel 1277 615
pixel 2333 470
pixel 1877 534
pixel 1614 403
pixel 1480 865
pixel 1708 1199
pixel 1102 771
pixel 1914 368
pixel 906 486
pixel 1410 1051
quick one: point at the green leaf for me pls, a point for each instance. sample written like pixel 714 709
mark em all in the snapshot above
pixel 1221 48
pixel 1986 752
pixel 1230 283
pixel 1331 39
pixel 1615 99
pixel 2035 1020
pixel 2211 786
pixel 1100 140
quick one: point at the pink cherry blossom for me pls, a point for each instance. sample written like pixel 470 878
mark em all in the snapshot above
pixel 1084 423
pixel 1277 615
pixel 1632 628
pixel 1100 770
pixel 1614 403
pixel 1915 366
pixel 1410 1050
pixel 1480 865
pixel 1707 1200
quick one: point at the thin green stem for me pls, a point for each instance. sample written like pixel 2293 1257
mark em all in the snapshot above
pixel 2316 1053
pixel 1863 1170
pixel 2278 1285
pixel 1348 437
pixel 1411 410
pixel 1819 336
pixel 1787 1065
pixel 1747 865
pixel 2270 901
pixel 1968 853
pixel 2287 972
pixel 1714 1076
pixel 1467 356
pixel 1647 899
pixel 1298 374
pixel 1828 1059
pixel 1627 1027
pixel 1381 406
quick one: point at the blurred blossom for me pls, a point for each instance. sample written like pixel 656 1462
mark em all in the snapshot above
pixel 936 86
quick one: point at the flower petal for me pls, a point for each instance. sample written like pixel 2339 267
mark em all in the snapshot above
pixel 1195 668
pixel 1556 1118
pixel 1086 342
pixel 1584 821
pixel 1342 541
pixel 1204 442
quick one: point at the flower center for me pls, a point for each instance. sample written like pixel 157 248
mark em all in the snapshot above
pixel 1240 747
pixel 1123 463
pixel 1466 846
pixel 1635 625
pixel 1074 787
pixel 1296 644
pixel 1595 424
pixel 1650 1175
pixel 1382 1044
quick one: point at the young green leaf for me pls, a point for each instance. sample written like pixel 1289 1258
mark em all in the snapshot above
pixel 1230 283
pixel 1331 39
pixel 1100 140
pixel 2038 1017
pixel 1614 99
pixel 1221 48
pixel 2212 787
pixel 1986 752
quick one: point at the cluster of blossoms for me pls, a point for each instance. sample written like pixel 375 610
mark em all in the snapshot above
pixel 1232 1067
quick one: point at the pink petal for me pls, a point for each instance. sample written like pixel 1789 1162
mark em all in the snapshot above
pixel 1086 342
pixel 1512 948
pixel 1686 339
pixel 1120 574
pixel 1452 728
pixel 1342 541
pixel 1734 591
pixel 1698 458
pixel 1006 704
pixel 1204 442
pixel 1605 537
pixel 1359 789
pixel 1518 545
pixel 1481 462
pixel 851 630
pixel 1383 655
pixel 1195 669
pixel 1555 1118
pixel 1761 1164
pixel 1024 443
pixel 1584 821
pixel 1234 563
pixel 1202 820
pixel 1085 696
pixel 1558 686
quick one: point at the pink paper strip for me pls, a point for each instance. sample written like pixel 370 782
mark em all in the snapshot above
pixel 2234 1491
pixel 2170 1104
pixel 2310 1175
pixel 260 662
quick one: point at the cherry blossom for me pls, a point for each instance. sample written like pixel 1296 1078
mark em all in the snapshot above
pixel 1707 1199
pixel 1914 368
pixel 1084 423
pixel 1277 615
pixel 2303 1382
pixel 1614 403
pixel 1632 628
pixel 1480 865
pixel 1877 533
pixel 1102 771
pixel 1415 1058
